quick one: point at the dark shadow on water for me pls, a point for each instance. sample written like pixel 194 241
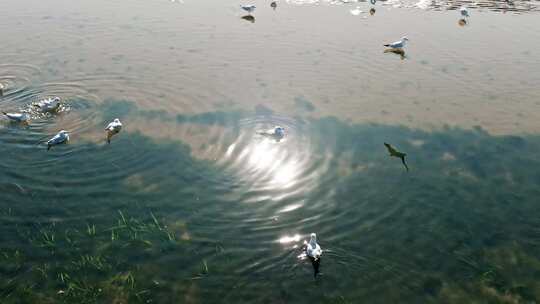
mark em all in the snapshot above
pixel 399 52
pixel 316 263
pixel 249 18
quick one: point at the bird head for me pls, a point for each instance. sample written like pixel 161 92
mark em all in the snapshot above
pixel 56 99
pixel 313 239
pixel 116 120
pixel 404 38
pixel 63 132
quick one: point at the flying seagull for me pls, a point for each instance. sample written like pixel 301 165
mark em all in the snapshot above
pixel 61 138
pixel 395 153
pixel 398 44
pixel 18 117
pixel 113 128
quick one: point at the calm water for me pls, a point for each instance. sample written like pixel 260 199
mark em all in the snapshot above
pixel 189 205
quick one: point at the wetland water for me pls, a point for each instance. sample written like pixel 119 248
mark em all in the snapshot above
pixel 189 205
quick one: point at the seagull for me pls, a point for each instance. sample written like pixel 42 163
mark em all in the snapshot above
pixel 464 12
pixel 395 153
pixel 18 117
pixel 273 5
pixel 356 11
pixel 60 138
pixel 313 250
pixel 250 8
pixel 277 132
pixel 398 44
pixel 113 128
pixel 48 105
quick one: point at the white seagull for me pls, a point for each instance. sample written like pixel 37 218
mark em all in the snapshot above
pixel 398 44
pixel 18 117
pixel 313 249
pixel 250 8
pixel 113 128
pixel 277 132
pixel 60 138
pixel 356 11
pixel 48 105
pixel 464 12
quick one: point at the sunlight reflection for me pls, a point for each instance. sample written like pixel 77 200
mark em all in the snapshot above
pixel 289 239
pixel 273 161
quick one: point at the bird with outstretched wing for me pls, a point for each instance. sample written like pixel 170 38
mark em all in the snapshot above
pixel 395 153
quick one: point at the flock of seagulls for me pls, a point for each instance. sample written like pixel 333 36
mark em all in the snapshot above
pixel 52 106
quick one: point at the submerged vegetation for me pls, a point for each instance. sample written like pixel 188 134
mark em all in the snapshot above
pixel 85 264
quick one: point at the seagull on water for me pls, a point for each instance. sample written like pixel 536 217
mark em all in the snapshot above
pixel 113 128
pixel 277 132
pixel 313 250
pixel 356 11
pixel 250 8
pixel 18 117
pixel 464 12
pixel 61 138
pixel 398 44
pixel 395 153
pixel 48 105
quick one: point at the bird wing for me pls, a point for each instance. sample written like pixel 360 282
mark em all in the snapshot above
pixel 54 139
pixel 396 44
pixel 405 164
pixel 391 149
pixel 109 126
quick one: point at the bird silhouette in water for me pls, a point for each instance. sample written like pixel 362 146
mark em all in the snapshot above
pixel 395 153
pixel 249 18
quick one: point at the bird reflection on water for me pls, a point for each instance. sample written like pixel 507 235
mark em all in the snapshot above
pixel 249 18
pixel 399 52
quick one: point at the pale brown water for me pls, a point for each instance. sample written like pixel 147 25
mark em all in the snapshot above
pixel 192 58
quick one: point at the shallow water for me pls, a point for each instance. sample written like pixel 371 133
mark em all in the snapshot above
pixel 188 204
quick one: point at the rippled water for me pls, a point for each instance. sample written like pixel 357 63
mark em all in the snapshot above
pixel 190 204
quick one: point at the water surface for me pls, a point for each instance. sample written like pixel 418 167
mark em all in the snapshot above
pixel 189 205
